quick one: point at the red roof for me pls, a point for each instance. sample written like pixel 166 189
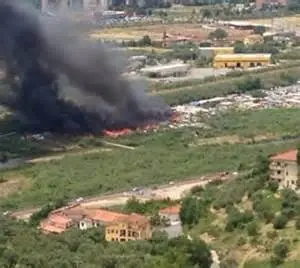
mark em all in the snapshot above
pixel 58 219
pixel 103 215
pixel 290 155
pixel 133 219
pixel 171 210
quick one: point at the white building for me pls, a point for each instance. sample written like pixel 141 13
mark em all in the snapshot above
pixel 178 69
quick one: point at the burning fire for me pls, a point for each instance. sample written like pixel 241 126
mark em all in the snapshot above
pixel 127 131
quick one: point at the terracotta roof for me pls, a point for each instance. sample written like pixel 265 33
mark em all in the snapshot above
pixel 290 155
pixel 103 215
pixel 47 227
pixel 171 210
pixel 59 219
pixel 133 219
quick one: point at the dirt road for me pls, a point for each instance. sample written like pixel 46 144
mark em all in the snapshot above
pixel 174 191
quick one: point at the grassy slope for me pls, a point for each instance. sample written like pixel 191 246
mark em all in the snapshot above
pixel 158 158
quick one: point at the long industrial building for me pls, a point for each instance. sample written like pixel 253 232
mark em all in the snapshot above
pixel 241 60
pixel 178 69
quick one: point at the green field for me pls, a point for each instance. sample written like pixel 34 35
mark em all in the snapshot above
pixel 157 158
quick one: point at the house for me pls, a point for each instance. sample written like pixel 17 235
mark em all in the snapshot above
pixel 128 227
pixel 241 60
pixel 56 223
pixel 97 217
pixel 171 214
pixel 284 169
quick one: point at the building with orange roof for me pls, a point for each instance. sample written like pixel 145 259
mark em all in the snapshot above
pixel 171 214
pixel 97 217
pixel 128 227
pixel 56 223
pixel 284 169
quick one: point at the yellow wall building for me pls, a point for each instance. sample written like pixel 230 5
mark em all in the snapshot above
pixel 241 60
pixel 129 227
pixel 284 169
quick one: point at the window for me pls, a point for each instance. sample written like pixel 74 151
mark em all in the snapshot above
pixel 129 233
pixel 287 173
pixel 238 65
pixel 123 233
pixel 292 182
pixel 122 240
pixel 278 172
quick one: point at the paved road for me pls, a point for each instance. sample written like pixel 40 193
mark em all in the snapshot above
pixel 173 191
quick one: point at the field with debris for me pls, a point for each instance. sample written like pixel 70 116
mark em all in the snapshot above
pixel 155 32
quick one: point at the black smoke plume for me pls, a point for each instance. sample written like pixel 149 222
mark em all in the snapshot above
pixel 39 53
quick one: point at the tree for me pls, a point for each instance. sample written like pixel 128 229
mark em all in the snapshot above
pixel 218 34
pixel 280 222
pixel 191 211
pixel 199 254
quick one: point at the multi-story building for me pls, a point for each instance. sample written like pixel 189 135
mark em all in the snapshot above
pixel 129 227
pixel 284 169
pixel 241 60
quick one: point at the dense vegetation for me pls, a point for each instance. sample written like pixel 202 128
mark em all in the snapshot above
pixel 23 246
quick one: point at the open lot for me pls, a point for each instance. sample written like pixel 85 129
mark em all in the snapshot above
pixel 155 32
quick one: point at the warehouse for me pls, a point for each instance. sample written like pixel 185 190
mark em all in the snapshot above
pixel 178 69
pixel 210 52
pixel 241 60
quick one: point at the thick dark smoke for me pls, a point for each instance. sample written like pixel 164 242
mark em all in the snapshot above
pixel 39 53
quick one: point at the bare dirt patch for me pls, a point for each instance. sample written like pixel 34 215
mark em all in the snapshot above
pixel 10 185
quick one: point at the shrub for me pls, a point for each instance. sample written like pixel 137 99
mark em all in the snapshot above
pixel 273 186
pixel 281 249
pixel 280 222
pixel 275 260
pixel 272 234
pixel 252 228
pixel 241 241
pixel 297 224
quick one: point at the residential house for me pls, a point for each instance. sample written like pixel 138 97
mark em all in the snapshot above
pixel 171 214
pixel 284 169
pixel 56 223
pixel 97 217
pixel 128 227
